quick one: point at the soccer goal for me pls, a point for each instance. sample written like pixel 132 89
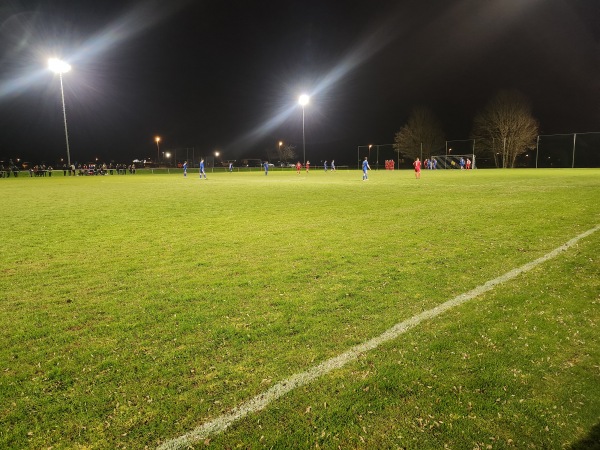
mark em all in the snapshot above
pixel 453 161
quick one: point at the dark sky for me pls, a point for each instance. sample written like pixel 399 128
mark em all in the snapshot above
pixel 226 75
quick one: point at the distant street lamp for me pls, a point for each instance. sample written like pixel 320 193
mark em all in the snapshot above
pixel 168 156
pixel 303 100
pixel 60 67
pixel 157 139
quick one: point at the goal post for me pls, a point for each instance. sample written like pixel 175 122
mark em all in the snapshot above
pixel 453 161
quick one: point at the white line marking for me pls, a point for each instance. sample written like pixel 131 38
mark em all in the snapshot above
pixel 259 402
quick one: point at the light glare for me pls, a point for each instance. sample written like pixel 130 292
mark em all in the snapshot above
pixel 58 66
pixel 303 100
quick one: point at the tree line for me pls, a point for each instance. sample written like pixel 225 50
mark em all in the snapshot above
pixel 504 129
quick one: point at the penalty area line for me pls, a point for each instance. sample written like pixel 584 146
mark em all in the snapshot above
pixel 259 402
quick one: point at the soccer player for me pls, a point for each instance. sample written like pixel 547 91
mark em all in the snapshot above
pixel 202 169
pixel 266 166
pixel 307 166
pixel 366 167
pixel 333 165
pixel 298 167
pixel 417 166
pixel 468 163
pixel 185 169
pixel 325 166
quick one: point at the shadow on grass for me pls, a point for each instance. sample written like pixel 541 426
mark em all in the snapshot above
pixel 590 442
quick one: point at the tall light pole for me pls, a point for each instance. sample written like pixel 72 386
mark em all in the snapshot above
pixel 60 67
pixel 303 100
pixel 157 139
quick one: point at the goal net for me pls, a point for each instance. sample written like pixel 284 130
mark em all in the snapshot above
pixel 453 161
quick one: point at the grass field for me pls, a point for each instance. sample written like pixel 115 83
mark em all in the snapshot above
pixel 136 308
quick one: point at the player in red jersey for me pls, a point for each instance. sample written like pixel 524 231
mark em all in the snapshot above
pixel 417 166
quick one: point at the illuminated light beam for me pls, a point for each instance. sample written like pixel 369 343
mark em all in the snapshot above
pixel 137 20
pixel 134 22
pixel 20 83
pixel 366 49
pixel 264 129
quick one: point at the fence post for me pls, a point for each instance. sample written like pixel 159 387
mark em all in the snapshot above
pixel 574 138
pixel 537 151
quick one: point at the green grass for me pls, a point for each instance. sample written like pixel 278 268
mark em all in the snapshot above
pixel 134 308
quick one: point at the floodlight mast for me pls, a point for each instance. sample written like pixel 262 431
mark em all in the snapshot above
pixel 157 139
pixel 303 100
pixel 60 67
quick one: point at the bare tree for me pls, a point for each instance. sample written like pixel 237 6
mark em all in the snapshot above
pixel 421 136
pixel 505 128
pixel 283 153
pixel 287 153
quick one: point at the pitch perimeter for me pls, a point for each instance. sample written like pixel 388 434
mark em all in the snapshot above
pixel 262 400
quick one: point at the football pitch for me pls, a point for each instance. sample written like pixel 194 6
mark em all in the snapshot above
pixel 157 311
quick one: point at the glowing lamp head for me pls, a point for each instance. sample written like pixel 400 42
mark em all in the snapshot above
pixel 303 100
pixel 58 66
pixel 157 139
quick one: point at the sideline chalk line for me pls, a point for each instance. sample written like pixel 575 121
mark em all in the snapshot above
pixel 259 402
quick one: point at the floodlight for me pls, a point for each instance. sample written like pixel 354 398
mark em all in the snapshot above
pixel 303 100
pixel 58 66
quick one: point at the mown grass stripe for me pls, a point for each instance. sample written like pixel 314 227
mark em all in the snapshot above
pixel 261 401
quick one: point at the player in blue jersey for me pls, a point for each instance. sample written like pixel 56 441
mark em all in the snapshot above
pixel 266 166
pixel 366 167
pixel 202 169
pixel 185 169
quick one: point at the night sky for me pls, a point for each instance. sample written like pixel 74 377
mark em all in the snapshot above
pixel 226 75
